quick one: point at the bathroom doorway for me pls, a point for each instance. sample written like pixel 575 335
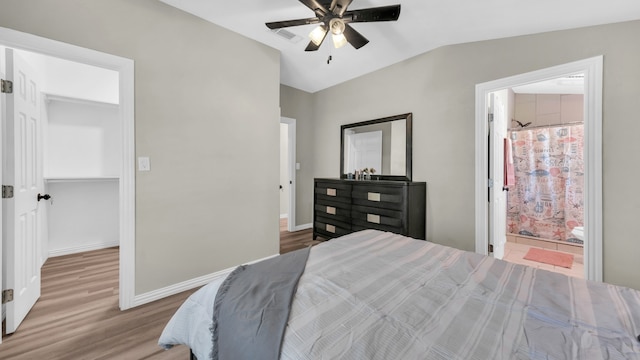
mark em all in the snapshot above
pixel 489 231
pixel 544 174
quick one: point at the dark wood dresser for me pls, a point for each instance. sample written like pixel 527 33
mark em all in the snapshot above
pixel 345 206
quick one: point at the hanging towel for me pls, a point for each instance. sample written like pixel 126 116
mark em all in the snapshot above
pixel 509 170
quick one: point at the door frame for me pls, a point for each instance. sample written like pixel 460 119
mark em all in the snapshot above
pixel 497 205
pixel 125 68
pixel 291 159
pixel 2 132
pixel 592 68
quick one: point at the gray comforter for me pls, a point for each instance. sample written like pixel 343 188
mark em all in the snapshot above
pixel 252 307
pixel 376 296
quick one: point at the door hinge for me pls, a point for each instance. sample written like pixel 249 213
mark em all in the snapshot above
pixel 490 117
pixel 490 183
pixel 6 86
pixel 490 248
pixel 7 191
pixel 7 295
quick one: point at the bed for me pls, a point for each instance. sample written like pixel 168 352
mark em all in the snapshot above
pixel 379 295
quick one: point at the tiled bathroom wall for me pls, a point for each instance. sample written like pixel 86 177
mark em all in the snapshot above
pixel 547 109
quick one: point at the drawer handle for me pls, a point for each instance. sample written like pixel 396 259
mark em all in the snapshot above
pixel 331 210
pixel 373 218
pixel 331 192
pixel 331 229
pixel 373 196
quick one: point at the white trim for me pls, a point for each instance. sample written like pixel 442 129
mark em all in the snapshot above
pixel 292 170
pixel 303 227
pixel 186 285
pixel 127 188
pixel 82 248
pixel 125 67
pixel 593 170
pixel 3 111
pixel 592 68
pixel 284 216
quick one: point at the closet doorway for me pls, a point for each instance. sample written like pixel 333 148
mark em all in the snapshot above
pixel 491 222
pixel 125 196
pixel 72 149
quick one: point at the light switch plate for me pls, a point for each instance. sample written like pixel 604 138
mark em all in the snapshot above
pixel 144 164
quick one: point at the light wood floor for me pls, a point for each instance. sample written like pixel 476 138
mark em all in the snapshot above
pixel 290 241
pixel 77 316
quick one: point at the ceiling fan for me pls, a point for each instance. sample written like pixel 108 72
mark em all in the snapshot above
pixel 332 15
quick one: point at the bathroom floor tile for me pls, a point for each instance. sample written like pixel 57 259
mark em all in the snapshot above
pixel 515 252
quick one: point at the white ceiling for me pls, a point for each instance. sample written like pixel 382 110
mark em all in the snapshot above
pixel 573 84
pixel 423 25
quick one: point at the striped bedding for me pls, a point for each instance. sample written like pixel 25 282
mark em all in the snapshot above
pixel 377 295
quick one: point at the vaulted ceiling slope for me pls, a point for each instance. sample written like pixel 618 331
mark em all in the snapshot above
pixel 423 26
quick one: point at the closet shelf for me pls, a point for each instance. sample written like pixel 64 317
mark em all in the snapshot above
pixel 80 178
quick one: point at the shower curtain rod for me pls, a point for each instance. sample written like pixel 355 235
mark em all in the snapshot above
pixel 547 126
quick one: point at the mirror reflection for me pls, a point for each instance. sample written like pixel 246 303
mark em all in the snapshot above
pixel 383 145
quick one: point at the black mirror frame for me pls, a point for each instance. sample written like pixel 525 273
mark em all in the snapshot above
pixel 409 146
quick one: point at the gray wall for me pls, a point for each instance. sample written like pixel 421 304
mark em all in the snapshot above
pixel 206 112
pixel 299 105
pixel 439 88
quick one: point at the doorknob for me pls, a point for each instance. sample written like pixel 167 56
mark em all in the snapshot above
pixel 45 196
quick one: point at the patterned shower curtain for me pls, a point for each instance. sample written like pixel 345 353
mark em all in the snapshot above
pixel 547 200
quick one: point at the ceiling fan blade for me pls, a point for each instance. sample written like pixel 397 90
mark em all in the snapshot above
pixel 316 6
pixel 287 23
pixel 354 38
pixel 338 7
pixel 383 13
pixel 312 45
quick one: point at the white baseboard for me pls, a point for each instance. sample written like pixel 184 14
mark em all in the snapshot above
pixel 82 248
pixel 303 227
pixel 284 216
pixel 185 285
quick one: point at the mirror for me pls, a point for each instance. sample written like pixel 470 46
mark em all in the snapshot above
pixel 382 144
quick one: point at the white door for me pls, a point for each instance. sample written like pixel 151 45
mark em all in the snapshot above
pixel 22 169
pixel 365 151
pixel 497 196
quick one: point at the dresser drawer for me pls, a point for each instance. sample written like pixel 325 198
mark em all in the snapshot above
pixel 379 216
pixel 326 191
pixel 363 225
pixel 330 227
pixel 334 210
pixel 376 196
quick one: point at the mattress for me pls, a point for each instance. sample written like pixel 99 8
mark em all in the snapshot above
pixel 378 295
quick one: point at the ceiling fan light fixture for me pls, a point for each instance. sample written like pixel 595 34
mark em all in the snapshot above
pixel 318 34
pixel 337 26
pixel 339 40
